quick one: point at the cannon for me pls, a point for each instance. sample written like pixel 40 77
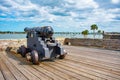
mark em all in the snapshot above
pixel 41 45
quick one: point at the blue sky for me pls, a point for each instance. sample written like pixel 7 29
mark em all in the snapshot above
pixel 62 15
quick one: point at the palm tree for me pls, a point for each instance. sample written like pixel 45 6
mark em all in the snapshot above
pixel 94 27
pixel 99 31
pixel 85 33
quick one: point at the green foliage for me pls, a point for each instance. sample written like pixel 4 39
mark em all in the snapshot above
pixel 99 31
pixel 94 27
pixel 85 33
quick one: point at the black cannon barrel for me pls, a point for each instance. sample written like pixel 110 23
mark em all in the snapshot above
pixel 46 31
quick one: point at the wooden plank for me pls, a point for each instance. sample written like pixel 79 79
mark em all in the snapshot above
pixel 22 69
pixel 1 76
pixel 89 70
pixel 48 71
pixel 6 72
pixel 95 65
pixel 57 72
pixel 51 74
pixel 37 73
pixel 33 69
pixel 81 63
pixel 74 70
pixel 92 50
pixel 108 55
pixel 91 61
pixel 96 56
pixel 18 75
pixel 68 72
pixel 99 55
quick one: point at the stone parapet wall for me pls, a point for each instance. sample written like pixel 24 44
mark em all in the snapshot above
pixel 16 43
pixel 111 36
pixel 113 44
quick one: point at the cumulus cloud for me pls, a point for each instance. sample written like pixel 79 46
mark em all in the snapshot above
pixel 26 9
pixel 81 4
pixel 60 12
pixel 115 1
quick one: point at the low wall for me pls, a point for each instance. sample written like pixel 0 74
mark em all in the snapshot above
pixel 113 44
pixel 15 43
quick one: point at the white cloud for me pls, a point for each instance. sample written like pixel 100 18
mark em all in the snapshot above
pixel 2 14
pixel 101 15
pixel 21 5
pixel 2 8
pixel 72 12
pixel 25 10
pixel 81 4
pixel 115 10
pixel 115 1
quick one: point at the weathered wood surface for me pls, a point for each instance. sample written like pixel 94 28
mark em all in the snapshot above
pixel 80 64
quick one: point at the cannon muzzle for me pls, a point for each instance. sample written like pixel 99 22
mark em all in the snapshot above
pixel 46 31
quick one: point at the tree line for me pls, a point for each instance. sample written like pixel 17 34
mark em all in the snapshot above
pixel 11 32
pixel 93 27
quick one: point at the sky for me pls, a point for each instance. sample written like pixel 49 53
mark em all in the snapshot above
pixel 62 15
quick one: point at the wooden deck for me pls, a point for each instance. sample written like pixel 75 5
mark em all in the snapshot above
pixel 80 64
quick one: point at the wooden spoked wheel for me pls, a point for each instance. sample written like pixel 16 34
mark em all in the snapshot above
pixel 23 51
pixel 35 57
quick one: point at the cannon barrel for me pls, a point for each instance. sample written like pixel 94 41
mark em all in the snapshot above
pixel 46 31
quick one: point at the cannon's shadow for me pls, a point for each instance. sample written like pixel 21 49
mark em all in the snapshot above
pixel 21 60
pixel 16 57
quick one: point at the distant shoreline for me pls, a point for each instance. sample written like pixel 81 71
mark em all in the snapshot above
pixel 14 32
pixel 9 32
pixel 65 35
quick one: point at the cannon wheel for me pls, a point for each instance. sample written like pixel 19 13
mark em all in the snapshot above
pixel 35 57
pixel 19 50
pixel 28 57
pixel 63 56
pixel 23 51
